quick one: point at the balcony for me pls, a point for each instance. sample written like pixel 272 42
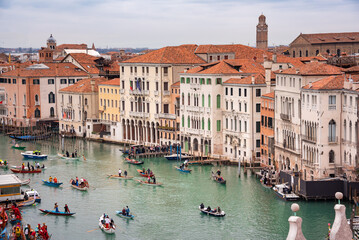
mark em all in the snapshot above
pixel 332 139
pixel 166 93
pixel 167 116
pixel 157 115
pixel 38 103
pixel 165 128
pixel 156 93
pixel 309 139
pixel 139 114
pixel 121 91
pixel 193 131
pixel 146 92
pixel 285 117
pixel 332 107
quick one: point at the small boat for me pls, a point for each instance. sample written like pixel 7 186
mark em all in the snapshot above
pixel 109 229
pixel 119 213
pixel 17 170
pixel 26 182
pixel 122 177
pixel 82 187
pixel 212 213
pixel 18 147
pixel 30 137
pixel 68 158
pixel 266 185
pixel 13 219
pixel 285 193
pixel 34 155
pixel 32 193
pixel 133 161
pixel 25 203
pixel 144 174
pixel 219 179
pixel 51 184
pixel 3 218
pixel 186 170
pixel 174 157
pixel 57 213
pixel 125 152
pixel 3 233
pixel 147 183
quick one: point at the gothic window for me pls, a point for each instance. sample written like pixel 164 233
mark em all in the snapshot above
pixel 332 131
pixel 52 112
pixel 51 97
pixel 331 156
pixel 37 113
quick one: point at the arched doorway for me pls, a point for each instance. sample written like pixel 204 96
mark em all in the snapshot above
pixel 195 144
pixel 287 163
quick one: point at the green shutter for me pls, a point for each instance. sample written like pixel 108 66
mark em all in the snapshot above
pixel 209 124
pixel 218 80
pixel 189 122
pixel 218 125
pixel 188 80
pixel 218 101
pixel 182 120
pixel 209 100
pixel 202 123
pixel 182 79
pixel 202 100
pixel 208 81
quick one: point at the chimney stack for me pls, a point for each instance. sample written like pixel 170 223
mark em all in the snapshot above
pixel 92 85
pixel 253 80
pixel 274 57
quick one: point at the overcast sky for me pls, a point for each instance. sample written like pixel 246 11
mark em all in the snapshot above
pixel 158 23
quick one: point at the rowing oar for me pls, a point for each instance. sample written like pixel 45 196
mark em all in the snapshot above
pixel 93 230
pixel 84 157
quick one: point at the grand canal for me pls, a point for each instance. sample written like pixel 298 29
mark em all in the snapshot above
pixel 168 212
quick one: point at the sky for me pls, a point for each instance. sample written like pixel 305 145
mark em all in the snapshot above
pixel 159 23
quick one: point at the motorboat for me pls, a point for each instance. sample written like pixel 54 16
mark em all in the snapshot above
pixel 285 193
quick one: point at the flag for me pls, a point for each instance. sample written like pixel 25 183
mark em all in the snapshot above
pixel 131 88
pixel 0 102
pixel 64 116
pixel 138 84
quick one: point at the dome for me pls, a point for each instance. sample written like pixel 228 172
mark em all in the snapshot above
pixel 51 39
pixel 262 18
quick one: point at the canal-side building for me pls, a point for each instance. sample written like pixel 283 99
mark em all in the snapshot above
pixel 146 90
pixel 79 102
pixel 330 128
pixel 267 131
pixel 31 91
pixel 288 114
pixel 90 64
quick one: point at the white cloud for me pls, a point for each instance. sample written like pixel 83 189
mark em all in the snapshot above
pixel 157 23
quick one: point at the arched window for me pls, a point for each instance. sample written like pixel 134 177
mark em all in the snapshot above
pixel 218 101
pixel 85 115
pixel 182 120
pixel 86 101
pixel 182 98
pixel 202 123
pixel 209 100
pixel 36 98
pixel 300 53
pixel 331 156
pixel 350 131
pixel 328 51
pixel 316 52
pixel 52 112
pixel 293 53
pixel 345 130
pixel 37 112
pixel 51 97
pixel 306 53
pixel 188 122
pixel 332 131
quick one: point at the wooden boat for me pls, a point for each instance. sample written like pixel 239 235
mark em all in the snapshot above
pixel 266 185
pixel 174 157
pixel 212 213
pixel 63 156
pixel 122 177
pixel 25 203
pixel 3 218
pixel 32 193
pixel 85 186
pixel 220 180
pixel 133 161
pixel 51 184
pixel 144 174
pixel 119 213
pixel 284 192
pixel 16 170
pixel 186 170
pixel 30 137
pixel 14 220
pixel 57 213
pixel 34 155
pixel 18 147
pixel 147 183
pixel 125 152
pixel 26 182
pixel 108 230
pixel 3 233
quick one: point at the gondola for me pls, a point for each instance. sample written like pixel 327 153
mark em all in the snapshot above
pixel 63 156
pixel 220 179
pixel 186 170
pixel 133 161
pixel 119 213
pixel 118 177
pixel 144 174
pixel 15 170
pixel 57 213
pixel 85 186
pixel 51 184
pixel 109 229
pixel 18 147
pixel 150 184
pixel 212 213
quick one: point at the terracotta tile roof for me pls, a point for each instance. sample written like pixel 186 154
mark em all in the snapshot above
pixel 54 70
pixel 319 38
pixel 269 95
pixel 86 61
pixel 113 82
pixel 308 59
pixel 183 54
pixel 71 46
pixel 312 69
pixel 229 66
pixel 113 67
pixel 83 86
pixel 327 83
pixel 176 84
pixel 258 79
pixel 352 69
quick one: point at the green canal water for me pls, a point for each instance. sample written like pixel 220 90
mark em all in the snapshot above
pixel 168 212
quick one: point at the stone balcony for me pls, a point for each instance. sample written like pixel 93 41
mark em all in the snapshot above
pixel 166 93
pixel 139 114
pixel 167 116
pixel 121 91
pixel 285 117
pixel 138 92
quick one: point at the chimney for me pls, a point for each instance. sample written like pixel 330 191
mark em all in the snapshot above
pixel 310 84
pixel 92 85
pixel 274 57
pixel 297 70
pixel 253 81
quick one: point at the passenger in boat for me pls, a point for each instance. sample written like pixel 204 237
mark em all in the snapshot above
pixel 201 206
pixel 67 154
pixel 28 166
pixel 55 180
pixel 67 210
pixel 22 166
pixel 26 197
pixel 112 223
pixel 17 231
pixel 77 181
pixel 148 179
pixel 73 182
pixel 56 207
pixel 5 162
pixel 7 202
pixel 43 166
pixel 219 210
pixel 154 179
pixel 107 221
pixel 75 153
pixel 124 212
pixel 119 172
pixel 50 179
pixel 218 172
pixel 37 164
pixel 27 231
pixel 32 168
pixel 148 171
pixel 127 211
pixel 143 170
pixel 125 173
pixel 208 209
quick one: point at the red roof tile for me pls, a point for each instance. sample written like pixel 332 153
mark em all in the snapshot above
pixel 176 84
pixel 71 46
pixel 83 86
pixel 312 69
pixel 258 79
pixel 113 82
pixel 269 95
pixel 319 38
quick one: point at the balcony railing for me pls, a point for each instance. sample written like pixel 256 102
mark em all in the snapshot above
pixel 121 91
pixel 156 93
pixel 167 116
pixel 139 114
pixel 285 117
pixel 38 104
pixel 166 93
pixel 332 139
pixel 308 138
pixel 332 107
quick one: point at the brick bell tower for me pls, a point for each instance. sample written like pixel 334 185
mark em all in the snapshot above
pixel 262 33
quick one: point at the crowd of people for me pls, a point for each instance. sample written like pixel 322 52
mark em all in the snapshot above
pixel 31 167
pixel 39 231
pixel 105 220
pixel 79 183
pixel 158 148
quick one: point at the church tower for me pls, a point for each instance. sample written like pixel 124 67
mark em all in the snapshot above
pixel 262 33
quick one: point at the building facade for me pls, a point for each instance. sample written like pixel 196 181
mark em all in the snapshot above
pixel 267 131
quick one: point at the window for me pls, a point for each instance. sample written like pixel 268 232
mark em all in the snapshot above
pixel 332 102
pixel 188 80
pixel 202 123
pixel 209 101
pixel 189 99
pixel 245 92
pixel 239 91
pixel 209 82
pixel 36 81
pixel 51 97
pixel 231 91
pixel 156 86
pixel 218 101
pixel 270 122
pixel 37 112
pixel 165 86
pixel 36 99
pixel 165 71
pixel 258 92
pixel 209 124
pixel 156 70
pixel 226 91
pixel 182 120
pixel 245 107
pixel 218 80
pixel 52 112
pixel 71 81
pixel 63 81
pixel 182 98
pixel 165 108
pixel 182 79
pixel 202 100
pixel 258 127
pixel 258 142
pixel 14 81
pixel 258 107
pixel 218 125
pixel 331 156
pixel 24 81
pixel 188 122
pixel 332 131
